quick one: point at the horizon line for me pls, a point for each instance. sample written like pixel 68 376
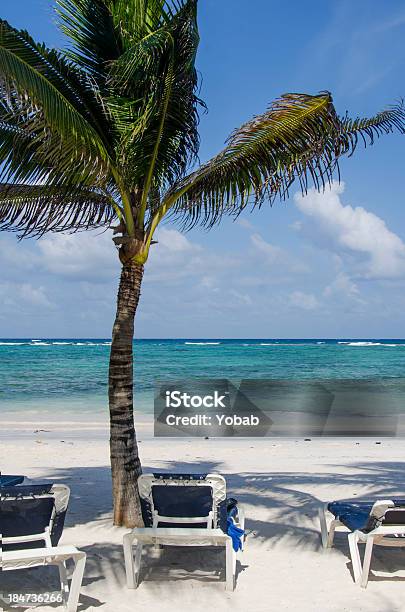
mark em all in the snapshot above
pixel 31 339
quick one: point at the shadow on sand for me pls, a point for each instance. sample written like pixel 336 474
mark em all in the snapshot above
pixel 280 512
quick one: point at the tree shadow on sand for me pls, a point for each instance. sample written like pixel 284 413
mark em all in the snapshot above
pixel 281 511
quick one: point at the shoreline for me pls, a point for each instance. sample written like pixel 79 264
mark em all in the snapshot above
pixel 95 430
pixel 75 425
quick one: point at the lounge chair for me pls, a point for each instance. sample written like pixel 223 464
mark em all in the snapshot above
pixel 185 510
pixel 31 524
pixel 381 522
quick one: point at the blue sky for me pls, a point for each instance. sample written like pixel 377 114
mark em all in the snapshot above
pixel 329 265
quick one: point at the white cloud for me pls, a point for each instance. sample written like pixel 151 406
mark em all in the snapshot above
pixel 7 291
pixel 353 233
pixel 84 256
pixel 242 298
pixel 306 301
pixel 173 241
pixel 204 285
pixel 34 295
pixel 388 24
pixel 271 252
pixel 242 222
pixel 14 295
pixel 16 256
pixel 174 259
pixel 342 285
pixel 208 282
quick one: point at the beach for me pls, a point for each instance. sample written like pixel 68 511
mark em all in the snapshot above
pixel 113 174
pixel 53 402
pixel 281 484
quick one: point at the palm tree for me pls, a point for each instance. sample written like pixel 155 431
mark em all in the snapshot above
pixel 106 131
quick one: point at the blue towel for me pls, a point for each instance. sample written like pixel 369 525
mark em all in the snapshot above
pixel 236 534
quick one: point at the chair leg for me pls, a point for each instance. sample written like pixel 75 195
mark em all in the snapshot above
pixel 331 534
pixel 355 555
pixel 129 560
pixel 74 593
pixel 324 527
pixel 137 565
pixel 366 563
pixel 63 581
pixel 230 566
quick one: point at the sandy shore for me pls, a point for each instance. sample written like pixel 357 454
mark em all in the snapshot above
pixel 280 483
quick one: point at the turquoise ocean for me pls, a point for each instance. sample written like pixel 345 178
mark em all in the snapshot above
pixel 47 378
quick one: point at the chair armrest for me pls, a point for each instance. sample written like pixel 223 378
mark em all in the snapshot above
pixel 42 555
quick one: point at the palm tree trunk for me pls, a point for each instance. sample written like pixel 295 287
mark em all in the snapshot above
pixel 125 463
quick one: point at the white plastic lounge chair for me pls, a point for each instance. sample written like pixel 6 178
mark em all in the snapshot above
pixel 31 524
pixel 185 510
pixel 381 522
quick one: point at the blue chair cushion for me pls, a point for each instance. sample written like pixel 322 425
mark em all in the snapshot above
pixel 146 507
pixel 27 509
pixel 182 501
pixel 186 501
pixel 356 515
pixel 10 481
pixel 340 508
pixel 357 519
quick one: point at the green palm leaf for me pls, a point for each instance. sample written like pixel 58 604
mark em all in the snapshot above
pixel 34 210
pixel 154 105
pixel 299 137
pixel 45 97
pixel 90 28
pixel 116 114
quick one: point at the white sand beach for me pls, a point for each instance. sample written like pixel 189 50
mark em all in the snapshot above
pixel 280 483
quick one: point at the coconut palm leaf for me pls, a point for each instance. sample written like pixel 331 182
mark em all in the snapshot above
pixel 299 137
pixel 45 98
pixel 28 155
pixel 156 109
pixel 34 210
pixel 101 31
pixel 118 113
pixel 94 40
pixel 137 19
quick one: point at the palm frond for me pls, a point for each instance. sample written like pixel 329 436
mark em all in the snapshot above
pixel 154 104
pixel 137 19
pixel 368 129
pixel 34 210
pixel 109 127
pixel 100 31
pixel 46 100
pixel 300 137
pixel 95 40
